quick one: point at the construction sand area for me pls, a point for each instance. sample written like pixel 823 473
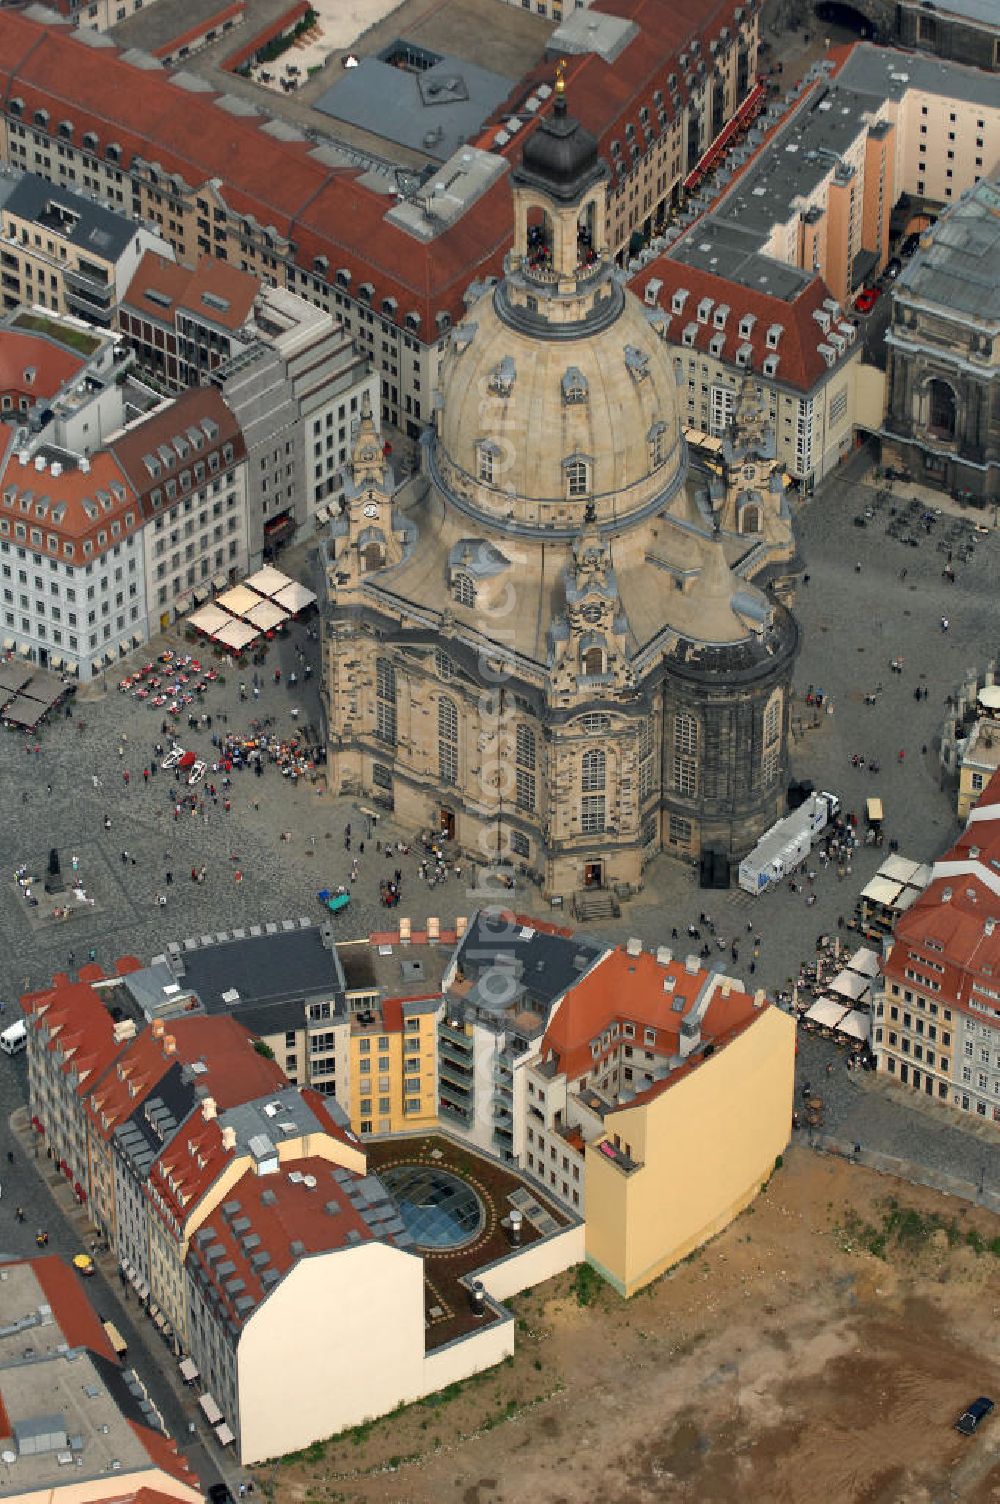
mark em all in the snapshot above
pixel 821 1348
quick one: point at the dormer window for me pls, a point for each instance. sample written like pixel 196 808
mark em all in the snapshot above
pixel 746 325
pixel 574 386
pixel 678 300
pixel 343 277
pixel 89 141
pixel 689 334
pixel 704 309
pixel 66 130
pixel 743 356
pixel 464 590
pixel 502 377
pixel 770 365
pixel 486 458
pixel 717 344
pixel 720 316
pixel 577 472
pixel 774 334
pixel 366 292
pixel 42 119
pixel 113 152
pixel 389 306
pixel 412 321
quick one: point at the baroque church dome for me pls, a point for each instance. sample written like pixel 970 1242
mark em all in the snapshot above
pixel 538 427
pixel 557 398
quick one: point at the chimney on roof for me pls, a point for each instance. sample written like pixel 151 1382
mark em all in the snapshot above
pixel 158 1028
pixel 229 1139
pixel 664 955
pixel 208 1109
pixel 759 998
pixel 692 965
pixel 633 946
pixel 123 1029
pixel 946 895
pixel 169 1045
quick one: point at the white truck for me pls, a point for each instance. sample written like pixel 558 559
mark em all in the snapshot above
pixel 787 844
pixel 14 1039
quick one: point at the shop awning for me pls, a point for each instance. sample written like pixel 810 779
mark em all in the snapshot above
pixel 268 581
pixel 238 601
pixel 266 615
pixel 200 593
pixel 209 619
pixel 137 639
pixel 848 984
pixel 224 1435
pixel 864 962
pixel 219 582
pixel 9 644
pixel 189 1370
pixel 854 1025
pixel 237 635
pixel 295 597
pixel 211 1410
pixel 826 1012
pixel 55 662
pixel 322 514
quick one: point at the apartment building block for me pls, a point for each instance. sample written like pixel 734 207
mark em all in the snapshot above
pixel 183 322
pixel 655 86
pixel 796 344
pixel 64 251
pixel 871 124
pixel 107 527
pixel 937 1017
pixel 71 1428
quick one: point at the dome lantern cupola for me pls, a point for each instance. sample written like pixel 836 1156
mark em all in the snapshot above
pixel 560 199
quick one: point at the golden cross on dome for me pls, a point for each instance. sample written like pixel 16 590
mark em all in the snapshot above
pixel 561 76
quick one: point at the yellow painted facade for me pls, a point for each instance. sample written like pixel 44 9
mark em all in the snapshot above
pixel 393 1075
pixel 702 1149
pixel 980 760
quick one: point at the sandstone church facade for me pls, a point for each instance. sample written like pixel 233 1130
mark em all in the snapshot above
pixel 552 644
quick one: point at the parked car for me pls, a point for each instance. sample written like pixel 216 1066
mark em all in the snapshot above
pixel 866 299
pixel 968 1421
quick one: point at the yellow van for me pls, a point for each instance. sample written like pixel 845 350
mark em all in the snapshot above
pixel 116 1339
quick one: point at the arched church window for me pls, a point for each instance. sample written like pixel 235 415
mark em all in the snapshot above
pixel 942 413
pixel 447 741
pixel 593 772
pixel 577 477
pixel 770 761
pixel 486 462
pixel 646 764
pixel 685 758
pixel 593 662
pixel 464 590
pixel 385 701
pixel 525 757
pixel 658 443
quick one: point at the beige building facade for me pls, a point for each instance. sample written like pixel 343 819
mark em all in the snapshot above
pixel 540 647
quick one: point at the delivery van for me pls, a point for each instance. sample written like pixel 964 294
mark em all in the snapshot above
pixel 14 1039
pixel 116 1339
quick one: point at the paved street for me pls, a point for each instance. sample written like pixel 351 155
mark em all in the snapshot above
pixel 853 624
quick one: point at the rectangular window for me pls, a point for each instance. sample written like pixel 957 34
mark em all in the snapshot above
pixel 592 814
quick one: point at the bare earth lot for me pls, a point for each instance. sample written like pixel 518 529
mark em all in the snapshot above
pixel 786 1362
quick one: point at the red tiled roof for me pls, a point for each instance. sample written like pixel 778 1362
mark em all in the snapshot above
pixel 800 364
pixel 989 797
pixel 168 424
pixel 74 1315
pixel 79 1026
pixel 327 211
pixel 5 1427
pixel 236 1072
pixel 212 22
pixel 34 366
pixel 319 1106
pixel 190 1163
pixel 630 989
pixel 164 1454
pixel 282 1212
pixel 85 517
pixel 187 287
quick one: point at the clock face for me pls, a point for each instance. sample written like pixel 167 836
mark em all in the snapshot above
pixel 368 454
pixel 591 614
pixel 370 509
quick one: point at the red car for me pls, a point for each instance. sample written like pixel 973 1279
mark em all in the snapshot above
pixel 866 299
